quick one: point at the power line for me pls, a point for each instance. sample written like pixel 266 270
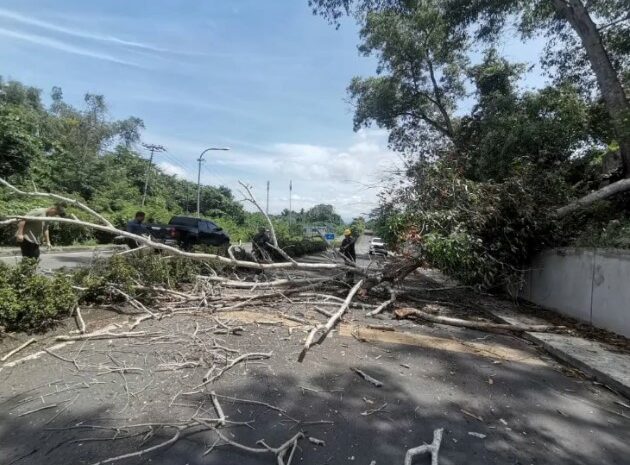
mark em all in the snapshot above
pixel 153 148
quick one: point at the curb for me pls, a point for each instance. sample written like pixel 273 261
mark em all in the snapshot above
pixel 587 369
pixel 564 356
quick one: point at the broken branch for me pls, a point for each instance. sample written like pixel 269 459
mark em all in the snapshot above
pixel 479 325
pixel 332 321
pixel 17 349
pixel 433 449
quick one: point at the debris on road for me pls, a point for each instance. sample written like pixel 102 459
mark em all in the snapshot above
pixel 367 377
pixel 433 449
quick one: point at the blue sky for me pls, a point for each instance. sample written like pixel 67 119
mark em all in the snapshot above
pixel 265 78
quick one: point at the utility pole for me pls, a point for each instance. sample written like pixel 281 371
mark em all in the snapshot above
pixel 290 195
pixel 152 148
pixel 267 207
pixel 200 159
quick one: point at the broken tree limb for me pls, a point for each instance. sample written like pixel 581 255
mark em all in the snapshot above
pixel 282 252
pixel 102 335
pixel 261 285
pixel 79 320
pixel 217 407
pixel 479 325
pixel 433 449
pixel 232 364
pixel 250 198
pixel 332 321
pixel 69 201
pixel 147 450
pixel 601 194
pixel 181 253
pixel 17 349
pixel 386 304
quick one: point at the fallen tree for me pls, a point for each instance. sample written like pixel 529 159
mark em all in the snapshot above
pixel 479 325
pixel 601 194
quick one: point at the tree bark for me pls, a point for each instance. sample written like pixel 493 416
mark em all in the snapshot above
pixel 575 12
pixel 601 194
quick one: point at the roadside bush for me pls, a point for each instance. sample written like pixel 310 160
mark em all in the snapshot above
pixel 125 272
pixel 300 247
pixel 30 301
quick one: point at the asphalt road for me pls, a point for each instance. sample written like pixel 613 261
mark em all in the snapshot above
pixel 57 260
pixel 499 399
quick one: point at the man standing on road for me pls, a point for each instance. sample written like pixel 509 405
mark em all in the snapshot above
pixel 135 226
pixel 348 253
pixel 31 232
pixel 347 246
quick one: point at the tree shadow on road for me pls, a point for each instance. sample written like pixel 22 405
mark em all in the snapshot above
pixel 526 413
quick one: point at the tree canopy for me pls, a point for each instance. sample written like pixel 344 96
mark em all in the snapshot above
pixel 488 163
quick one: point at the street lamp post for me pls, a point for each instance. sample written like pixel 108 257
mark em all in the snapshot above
pixel 200 159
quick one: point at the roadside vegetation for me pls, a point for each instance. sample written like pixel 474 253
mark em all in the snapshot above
pixel 85 154
pixel 492 167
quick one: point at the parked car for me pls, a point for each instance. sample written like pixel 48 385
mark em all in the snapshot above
pixel 188 231
pixel 377 247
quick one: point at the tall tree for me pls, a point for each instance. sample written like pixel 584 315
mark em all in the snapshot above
pixel 602 26
pixel 421 70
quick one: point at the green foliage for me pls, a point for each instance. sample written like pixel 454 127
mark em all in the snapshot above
pixel 421 68
pixel 20 145
pixel 612 233
pixel 30 301
pixel 127 271
pixel 82 153
pixel 357 226
pixel 480 189
pixel 298 247
pixel 479 233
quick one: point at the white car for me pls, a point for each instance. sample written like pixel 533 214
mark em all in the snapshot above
pixel 377 247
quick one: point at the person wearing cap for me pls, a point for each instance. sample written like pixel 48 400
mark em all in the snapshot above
pixel 347 246
pixel 30 233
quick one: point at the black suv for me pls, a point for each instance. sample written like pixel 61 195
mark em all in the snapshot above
pixel 187 231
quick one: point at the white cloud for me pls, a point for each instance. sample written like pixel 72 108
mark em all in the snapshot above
pixel 347 177
pixel 172 169
pixel 65 47
pixel 20 18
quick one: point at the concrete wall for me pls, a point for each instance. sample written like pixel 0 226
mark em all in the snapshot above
pixel 592 285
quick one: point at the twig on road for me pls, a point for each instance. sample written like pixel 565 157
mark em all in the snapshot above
pixel 367 377
pixel 17 349
pixel 433 449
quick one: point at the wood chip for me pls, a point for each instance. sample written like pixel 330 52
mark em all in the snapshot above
pixel 477 435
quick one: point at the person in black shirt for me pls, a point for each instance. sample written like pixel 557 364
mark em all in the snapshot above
pixel 348 253
pixel 135 226
pixel 260 249
pixel 347 246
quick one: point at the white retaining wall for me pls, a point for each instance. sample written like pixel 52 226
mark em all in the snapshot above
pixel 592 285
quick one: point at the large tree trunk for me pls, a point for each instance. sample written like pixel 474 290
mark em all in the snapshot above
pixel 610 86
pixel 622 185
